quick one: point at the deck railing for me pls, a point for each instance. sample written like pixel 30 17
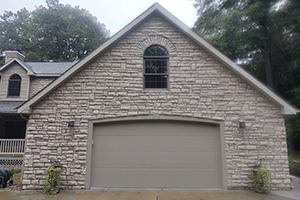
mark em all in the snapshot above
pixel 12 146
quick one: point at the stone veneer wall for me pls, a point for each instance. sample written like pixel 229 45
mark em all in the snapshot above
pixel 37 84
pixel 112 86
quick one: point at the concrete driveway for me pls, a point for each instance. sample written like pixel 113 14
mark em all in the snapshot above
pixel 98 194
pixel 141 195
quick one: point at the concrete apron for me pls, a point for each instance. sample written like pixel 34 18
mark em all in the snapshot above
pixel 98 194
pixel 294 193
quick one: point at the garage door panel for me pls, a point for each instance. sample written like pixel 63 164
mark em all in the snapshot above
pixel 156 160
pixel 156 128
pixel 155 178
pixel 156 143
pixel 156 154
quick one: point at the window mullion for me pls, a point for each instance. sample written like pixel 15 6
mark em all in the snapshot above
pixel 156 72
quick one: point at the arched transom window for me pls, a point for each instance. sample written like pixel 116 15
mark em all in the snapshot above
pixel 156 73
pixel 14 85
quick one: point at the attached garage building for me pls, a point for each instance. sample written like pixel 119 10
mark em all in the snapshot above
pixel 156 106
pixel 167 152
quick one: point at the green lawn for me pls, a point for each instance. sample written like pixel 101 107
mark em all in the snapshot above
pixel 16 171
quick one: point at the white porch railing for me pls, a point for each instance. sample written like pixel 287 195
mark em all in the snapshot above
pixel 12 146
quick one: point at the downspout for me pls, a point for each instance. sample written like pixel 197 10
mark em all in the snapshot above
pixel 26 119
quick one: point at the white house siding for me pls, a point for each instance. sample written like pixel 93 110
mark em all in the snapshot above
pixel 112 86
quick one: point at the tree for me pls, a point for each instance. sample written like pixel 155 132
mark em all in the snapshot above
pixel 242 30
pixel 57 32
pixel 16 30
pixel 260 35
pixel 263 36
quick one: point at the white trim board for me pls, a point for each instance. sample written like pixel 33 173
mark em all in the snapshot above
pixel 29 72
pixel 286 108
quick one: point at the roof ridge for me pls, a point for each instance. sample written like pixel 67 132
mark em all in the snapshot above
pixel 286 108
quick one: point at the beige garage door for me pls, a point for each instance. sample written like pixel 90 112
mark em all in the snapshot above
pixel 156 154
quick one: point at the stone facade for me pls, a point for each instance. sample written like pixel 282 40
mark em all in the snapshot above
pixel 112 86
pixel 37 84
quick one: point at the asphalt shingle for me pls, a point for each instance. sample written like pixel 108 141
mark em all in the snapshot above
pixel 49 67
pixel 8 106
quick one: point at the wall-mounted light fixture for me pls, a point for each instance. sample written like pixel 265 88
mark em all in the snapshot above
pixel 242 125
pixel 71 124
pixel 242 128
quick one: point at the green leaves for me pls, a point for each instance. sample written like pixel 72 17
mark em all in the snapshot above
pixel 53 179
pixel 263 37
pixel 260 35
pixel 57 32
pixel 261 179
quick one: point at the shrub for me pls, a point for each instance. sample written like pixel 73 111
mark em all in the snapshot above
pixel 53 178
pixel 261 179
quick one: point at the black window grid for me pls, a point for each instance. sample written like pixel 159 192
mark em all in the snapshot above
pixel 14 85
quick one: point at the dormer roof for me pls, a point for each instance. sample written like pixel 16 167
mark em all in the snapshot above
pixel 41 68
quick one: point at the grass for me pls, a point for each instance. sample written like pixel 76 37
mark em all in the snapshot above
pixel 16 171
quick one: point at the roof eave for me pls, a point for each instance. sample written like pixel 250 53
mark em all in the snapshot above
pixel 85 60
pixel 29 72
pixel 48 75
pixel 286 108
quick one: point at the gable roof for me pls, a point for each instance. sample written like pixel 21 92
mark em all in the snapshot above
pixel 41 68
pixel 22 64
pixel 286 108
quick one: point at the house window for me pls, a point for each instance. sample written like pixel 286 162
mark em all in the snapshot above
pixel 156 73
pixel 14 85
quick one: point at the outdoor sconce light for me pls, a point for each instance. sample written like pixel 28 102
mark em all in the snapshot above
pixel 71 124
pixel 242 125
pixel 242 128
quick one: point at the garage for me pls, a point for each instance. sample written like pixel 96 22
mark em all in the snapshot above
pixel 156 154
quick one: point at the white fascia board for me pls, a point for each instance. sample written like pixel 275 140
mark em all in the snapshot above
pixel 47 75
pixel 84 61
pixel 28 110
pixel 286 108
pixel 29 72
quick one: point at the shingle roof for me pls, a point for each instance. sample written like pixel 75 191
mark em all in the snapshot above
pixel 42 68
pixel 8 106
pixel 49 67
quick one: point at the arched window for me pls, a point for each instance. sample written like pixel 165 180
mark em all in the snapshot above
pixel 14 85
pixel 156 73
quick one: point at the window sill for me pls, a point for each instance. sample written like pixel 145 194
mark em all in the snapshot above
pixel 13 97
pixel 156 89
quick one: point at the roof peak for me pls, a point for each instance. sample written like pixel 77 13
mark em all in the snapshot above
pixel 286 108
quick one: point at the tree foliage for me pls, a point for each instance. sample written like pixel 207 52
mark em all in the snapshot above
pixel 263 36
pixel 56 32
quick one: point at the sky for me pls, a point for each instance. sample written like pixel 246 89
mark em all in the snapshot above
pixel 115 14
